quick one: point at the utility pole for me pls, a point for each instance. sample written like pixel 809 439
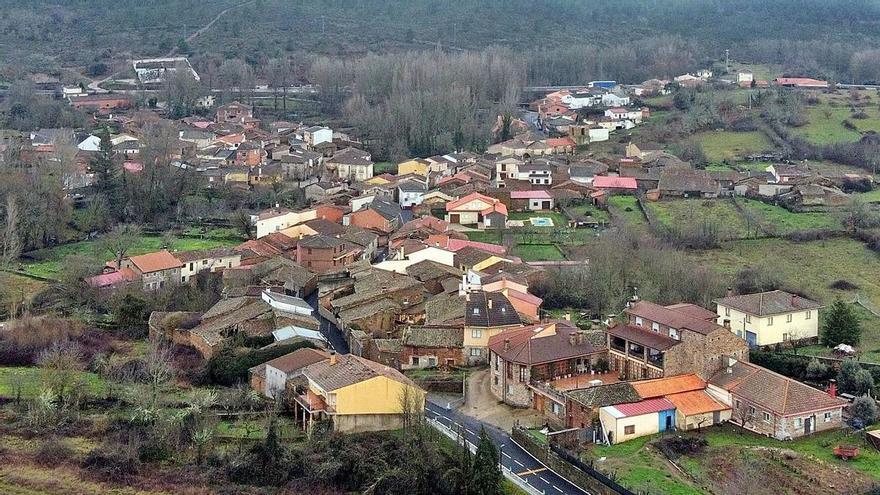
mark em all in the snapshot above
pixel 727 60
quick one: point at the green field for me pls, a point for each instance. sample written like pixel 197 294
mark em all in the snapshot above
pixel 31 381
pixel 871 197
pixel 826 124
pixel 380 168
pixel 52 259
pixel 627 209
pixel 727 145
pixel 538 252
pixel 598 214
pixel 684 212
pixel 778 220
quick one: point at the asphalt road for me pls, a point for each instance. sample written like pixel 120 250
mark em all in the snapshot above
pixel 513 457
pixel 330 331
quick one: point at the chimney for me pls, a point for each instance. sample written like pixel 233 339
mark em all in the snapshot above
pixel 832 388
pixel 332 358
pixel 572 338
pixel 727 324
pixel 489 302
pixel 794 300
pixel 729 292
pixel 506 344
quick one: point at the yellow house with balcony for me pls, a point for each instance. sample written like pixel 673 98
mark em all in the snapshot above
pixel 767 318
pixel 356 394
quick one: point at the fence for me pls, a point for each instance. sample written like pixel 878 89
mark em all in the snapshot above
pixel 569 466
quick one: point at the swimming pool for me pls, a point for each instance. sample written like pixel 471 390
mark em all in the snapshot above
pixel 541 221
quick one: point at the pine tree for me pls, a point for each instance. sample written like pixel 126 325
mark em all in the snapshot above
pixel 841 326
pixel 486 478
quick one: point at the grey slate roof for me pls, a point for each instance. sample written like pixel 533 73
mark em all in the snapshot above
pixel 605 395
pixel 478 312
pixel 433 337
pixel 768 303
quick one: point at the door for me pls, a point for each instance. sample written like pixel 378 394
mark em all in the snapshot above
pixel 752 339
pixel 455 218
pixel 546 205
pixel 668 423
pixel 808 425
pixel 716 417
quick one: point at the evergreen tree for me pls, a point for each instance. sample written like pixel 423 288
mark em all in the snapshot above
pixel 841 325
pixel 486 478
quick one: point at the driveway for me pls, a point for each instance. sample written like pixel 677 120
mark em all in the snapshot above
pixel 482 405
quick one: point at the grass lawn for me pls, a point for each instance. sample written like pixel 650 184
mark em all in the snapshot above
pixel 538 252
pixel 683 212
pixel 727 145
pixel 52 259
pixel 490 236
pixel 627 209
pixel 559 220
pixel 380 168
pixel 781 221
pixel 30 379
pixel 598 214
pixel 826 124
pixel 17 287
pixel 871 196
pixel 639 468
pixel 256 428
pixel 718 167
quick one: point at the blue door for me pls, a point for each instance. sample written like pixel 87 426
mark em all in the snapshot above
pixel 752 339
pixel 667 419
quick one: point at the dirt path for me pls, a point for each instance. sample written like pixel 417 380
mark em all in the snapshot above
pixel 208 25
pixel 483 405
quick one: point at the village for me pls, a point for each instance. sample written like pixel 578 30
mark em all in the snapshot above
pixel 350 295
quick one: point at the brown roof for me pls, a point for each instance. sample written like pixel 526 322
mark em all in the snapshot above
pixel 674 318
pixel 605 395
pixel 694 311
pixel 659 387
pixel 201 254
pixel 779 394
pixel 643 337
pixel 155 262
pixel 768 303
pixel 433 336
pixel 348 370
pixel 545 343
pixel 695 402
pixel 681 179
pixel 297 359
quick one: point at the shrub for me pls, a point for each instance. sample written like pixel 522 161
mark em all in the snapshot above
pixel 228 368
pixel 677 446
pixel 853 379
pixel 844 285
pixel 860 115
pixel 24 339
pixel 816 370
pixel 849 125
pixel 52 453
pixel 111 464
pixel 864 409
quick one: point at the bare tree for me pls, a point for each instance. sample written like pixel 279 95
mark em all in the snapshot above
pixel 11 237
pixel 411 404
pixel 61 364
pixel 120 240
pixel 242 221
pixel 159 367
pixel 744 414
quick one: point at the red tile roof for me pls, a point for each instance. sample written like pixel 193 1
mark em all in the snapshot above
pixel 112 278
pixel 155 262
pixel 610 182
pixel 644 407
pixel 659 387
pixel 530 195
pixel 563 141
pixel 695 402
pixel 453 205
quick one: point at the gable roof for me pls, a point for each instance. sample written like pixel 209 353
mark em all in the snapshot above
pixel 672 317
pixel 348 370
pixel 478 312
pixel 643 337
pixel 772 391
pixel 695 402
pixel 649 406
pixel 538 194
pixel 427 336
pixel 297 359
pixel 155 262
pixel 659 387
pixel 611 182
pixel 545 343
pixel 768 303
pixel 454 205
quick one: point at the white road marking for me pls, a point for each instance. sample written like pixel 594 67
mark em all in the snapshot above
pixel 558 489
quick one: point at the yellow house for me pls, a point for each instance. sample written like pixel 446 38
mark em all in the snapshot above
pixel 486 314
pixel 357 395
pixel 767 318
pixel 413 166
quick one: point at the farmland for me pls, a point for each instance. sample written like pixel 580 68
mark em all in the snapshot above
pixel 826 123
pixel 726 145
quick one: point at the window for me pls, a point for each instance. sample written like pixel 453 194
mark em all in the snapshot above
pixel 769 321
pixel 748 318
pixel 476 311
pixel 192 266
pixel 827 418
pixel 309 250
pixel 557 409
pixel 751 410
pixel 766 417
pixel 432 362
pixel 798 423
pixel 204 262
pixel 476 352
pixel 736 403
pixel 784 337
pixel 522 373
pixel 415 360
pixel 476 334
pixel 629 430
pixel 496 380
pixel 808 315
pixel 726 311
pixel 788 318
pixel 673 333
pixel 655 327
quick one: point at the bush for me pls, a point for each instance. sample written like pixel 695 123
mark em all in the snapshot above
pixel 228 368
pixel 864 409
pixel 675 447
pixel 111 464
pixel 816 371
pixel 860 115
pixel 851 378
pixel 52 453
pixel 849 125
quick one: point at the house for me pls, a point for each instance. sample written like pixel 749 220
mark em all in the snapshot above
pixel 322 253
pixel 102 101
pixel 609 184
pixel 774 405
pixel 477 209
pixel 431 346
pixel 322 191
pixel 301 164
pixel 380 215
pixel 410 193
pixel 585 172
pixel 536 173
pixel 531 200
pixel 521 357
pixel 505 168
pixel 418 166
pixel 688 183
pixel 784 173
pixel 657 341
pixel 376 302
pixel 582 404
pixel 351 164
pixel 213 260
pixel 745 76
pixel 624 422
pixel 114 279
pixel 233 113
pixel 486 315
pixel 695 407
pixel 767 318
pixel 277 271
pixel 316 135
pixel 270 378
pixel 355 394
pixel 157 270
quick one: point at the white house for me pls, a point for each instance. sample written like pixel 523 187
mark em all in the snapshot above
pixel 316 135
pixel 287 304
pixel 410 193
pixel 745 76
pixel 598 134
pixel 91 143
pixel 614 100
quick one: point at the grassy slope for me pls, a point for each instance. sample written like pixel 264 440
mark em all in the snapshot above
pixel 618 205
pixel 727 145
pixel 31 380
pixel 784 221
pixel 826 125
pixel 691 211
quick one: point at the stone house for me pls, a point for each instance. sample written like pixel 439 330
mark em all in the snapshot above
pixel 323 253
pixel 431 347
pixel 157 270
pixel 212 260
pixel 657 341
pixel 270 378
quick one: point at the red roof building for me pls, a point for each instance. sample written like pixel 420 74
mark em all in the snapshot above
pixel 612 182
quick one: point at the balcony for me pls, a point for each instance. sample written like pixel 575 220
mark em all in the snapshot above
pixel 655 358
pixel 636 351
pixel 618 344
